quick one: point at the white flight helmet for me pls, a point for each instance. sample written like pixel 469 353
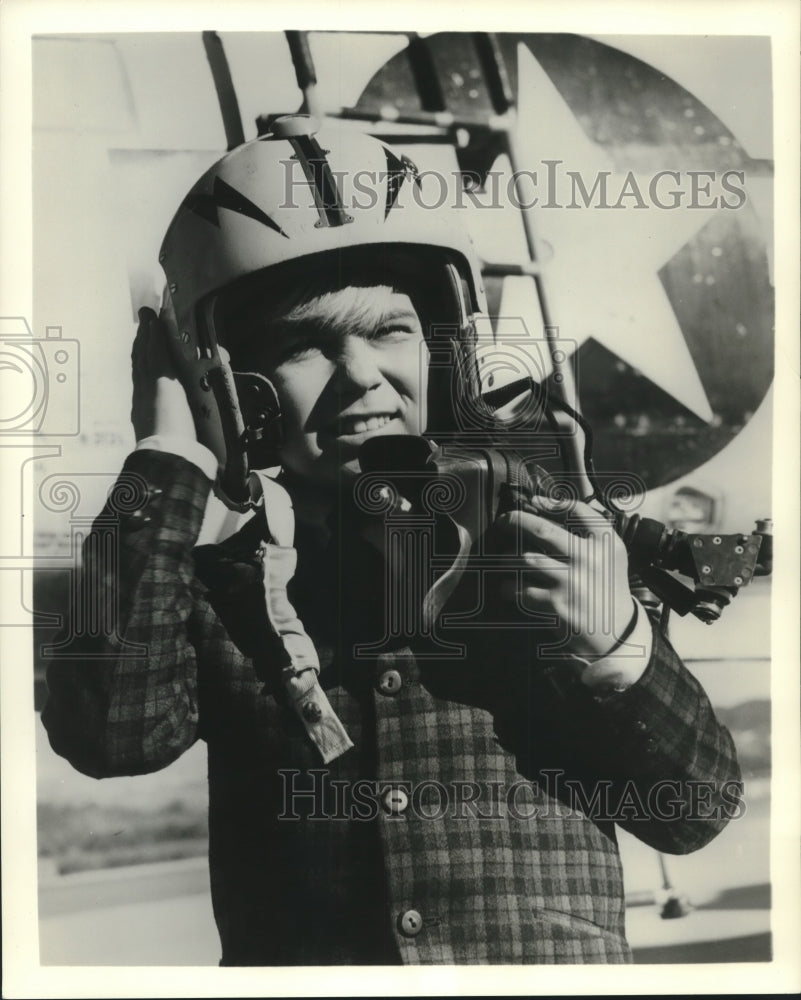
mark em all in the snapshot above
pixel 298 191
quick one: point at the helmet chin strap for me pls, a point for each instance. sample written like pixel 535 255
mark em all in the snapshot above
pixel 233 477
pixel 249 424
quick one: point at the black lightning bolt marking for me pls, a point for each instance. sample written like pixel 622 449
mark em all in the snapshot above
pixel 312 157
pixel 224 196
pixel 399 168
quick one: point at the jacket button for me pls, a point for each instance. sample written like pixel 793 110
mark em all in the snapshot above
pixel 395 801
pixel 411 923
pixel 312 712
pixel 640 726
pixel 390 682
pixel 138 519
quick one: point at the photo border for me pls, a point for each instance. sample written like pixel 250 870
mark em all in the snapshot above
pixel 22 974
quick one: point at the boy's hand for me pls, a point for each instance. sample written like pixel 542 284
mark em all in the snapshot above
pixel 575 566
pixel 159 403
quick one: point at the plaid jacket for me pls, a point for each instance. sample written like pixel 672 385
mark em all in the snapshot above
pixel 472 822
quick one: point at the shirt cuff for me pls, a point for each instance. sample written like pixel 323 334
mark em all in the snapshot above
pixel 626 664
pixel 193 451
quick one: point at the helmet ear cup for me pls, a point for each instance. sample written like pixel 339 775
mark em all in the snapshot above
pixel 454 387
pixel 261 416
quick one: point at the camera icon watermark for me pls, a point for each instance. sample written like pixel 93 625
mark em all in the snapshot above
pixel 39 381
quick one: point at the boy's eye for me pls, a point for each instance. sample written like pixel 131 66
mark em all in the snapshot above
pixel 302 343
pixel 397 331
pixel 295 347
pixel 298 350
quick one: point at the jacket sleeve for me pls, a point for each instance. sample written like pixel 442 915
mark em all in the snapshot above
pixel 653 758
pixel 122 699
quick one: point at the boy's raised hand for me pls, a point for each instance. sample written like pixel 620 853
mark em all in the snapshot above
pixel 159 405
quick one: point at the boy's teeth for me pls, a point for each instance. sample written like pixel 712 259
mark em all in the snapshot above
pixel 361 426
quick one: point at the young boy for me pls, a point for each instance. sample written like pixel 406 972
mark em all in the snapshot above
pixel 371 800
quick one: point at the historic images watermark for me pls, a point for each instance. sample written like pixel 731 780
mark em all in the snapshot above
pixel 39 406
pixel 40 381
pixel 43 375
pixel 551 185
pixel 40 398
pixel 316 795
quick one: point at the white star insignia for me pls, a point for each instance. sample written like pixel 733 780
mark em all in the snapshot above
pixel 600 266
